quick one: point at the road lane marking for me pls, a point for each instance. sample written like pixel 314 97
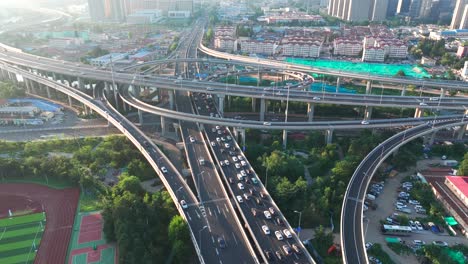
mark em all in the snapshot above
pixel 209 211
pixel 219 211
pixel 226 207
pixel 197 214
pixel 216 192
pixel 235 239
pixel 212 238
pixel 217 252
pixel 190 218
pixel 355 199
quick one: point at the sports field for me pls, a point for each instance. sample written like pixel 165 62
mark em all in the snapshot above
pixel 20 237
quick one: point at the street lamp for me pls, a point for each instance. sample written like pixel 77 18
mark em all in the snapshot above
pixel 287 106
pixel 198 183
pixel 299 227
pixel 199 236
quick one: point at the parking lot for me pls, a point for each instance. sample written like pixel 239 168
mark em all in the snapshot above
pixel 386 207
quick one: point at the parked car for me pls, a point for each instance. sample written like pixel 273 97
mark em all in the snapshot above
pixel 440 243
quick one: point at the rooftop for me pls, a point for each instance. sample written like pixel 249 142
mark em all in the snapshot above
pixel 461 182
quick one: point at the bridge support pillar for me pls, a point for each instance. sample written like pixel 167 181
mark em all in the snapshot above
pixel 418 113
pixel 442 92
pixel 140 117
pixel 462 131
pixel 310 111
pixel 338 80
pixel 431 140
pixel 403 90
pixel 262 109
pixel 329 136
pixel 171 99
pixel 368 112
pixel 107 88
pixel 70 102
pixel 221 104
pixel 285 138
pixel 163 126
pixel 81 84
pixel 368 87
pixel 115 89
pixel 48 91
pixel 242 135
pixel 28 85
pixel 254 104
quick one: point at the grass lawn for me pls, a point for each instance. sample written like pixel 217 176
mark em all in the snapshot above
pixel 22 258
pixel 52 183
pixel 18 220
pixel 89 202
pixel 20 232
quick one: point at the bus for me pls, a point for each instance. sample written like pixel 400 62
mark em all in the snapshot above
pixel 396 230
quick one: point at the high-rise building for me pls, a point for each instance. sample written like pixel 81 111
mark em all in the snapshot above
pixel 464 19
pixel 403 6
pixel 392 8
pixel 109 10
pixel 358 10
pixel 96 10
pixel 458 14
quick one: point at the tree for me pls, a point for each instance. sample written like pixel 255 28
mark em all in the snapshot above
pixel 400 73
pixel 130 184
pixel 463 168
pixel 178 229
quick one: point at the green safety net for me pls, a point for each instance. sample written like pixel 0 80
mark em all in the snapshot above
pixel 456 256
pixel 362 67
pixel 393 240
pixel 451 221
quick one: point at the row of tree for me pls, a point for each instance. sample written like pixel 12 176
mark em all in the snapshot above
pixel 145 226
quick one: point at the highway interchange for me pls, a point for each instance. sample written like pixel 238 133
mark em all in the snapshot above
pixel 352 240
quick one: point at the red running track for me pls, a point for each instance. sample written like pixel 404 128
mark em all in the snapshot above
pixel 60 207
pixel 90 228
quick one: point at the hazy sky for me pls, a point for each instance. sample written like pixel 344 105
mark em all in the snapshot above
pixel 38 3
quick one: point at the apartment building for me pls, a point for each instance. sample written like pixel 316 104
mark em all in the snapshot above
pixel 373 54
pixel 301 47
pixel 266 47
pixel 225 43
pixel 346 47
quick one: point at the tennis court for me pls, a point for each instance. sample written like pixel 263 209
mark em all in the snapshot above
pixel 20 237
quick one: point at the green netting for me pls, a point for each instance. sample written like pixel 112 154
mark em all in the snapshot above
pixel 393 240
pixel 456 256
pixel 367 68
pixel 451 221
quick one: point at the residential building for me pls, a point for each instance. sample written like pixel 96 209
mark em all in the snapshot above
pixel 464 72
pixel 393 48
pixel 462 51
pixel 147 16
pixel 403 7
pixel 459 186
pixel 301 47
pixel 106 59
pixel 266 47
pixel 229 31
pixel 96 10
pixel 458 13
pixel 142 56
pixel 346 47
pixel 64 42
pixel 392 8
pixel 373 54
pixel 225 43
pixel 426 61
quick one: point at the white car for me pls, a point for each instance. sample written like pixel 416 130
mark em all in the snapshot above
pixel 240 157
pixel 240 185
pixel 226 162
pixel 234 159
pixel 266 230
pixel 287 233
pixel 218 127
pixel 218 139
pixel 316 98
pixel 267 123
pixel 163 169
pixel 192 139
pixel 237 165
pixel 267 214
pixel 227 145
pixel 239 199
pixel 213 144
pixel 413 202
pixel 183 203
pixel 364 122
pixel 221 163
pixel 278 235
pixel 422 104
pixel 243 163
pixel 418 225
pixel 242 172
